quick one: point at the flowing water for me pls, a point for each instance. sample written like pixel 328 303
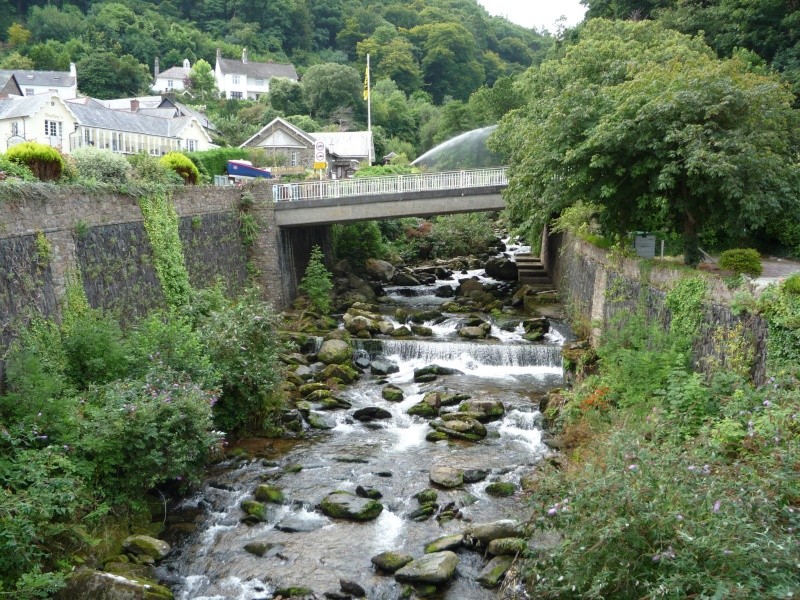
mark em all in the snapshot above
pixel 306 548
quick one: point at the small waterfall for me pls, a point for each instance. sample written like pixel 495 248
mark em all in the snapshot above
pixel 481 354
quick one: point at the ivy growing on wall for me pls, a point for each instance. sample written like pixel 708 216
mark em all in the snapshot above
pixel 161 224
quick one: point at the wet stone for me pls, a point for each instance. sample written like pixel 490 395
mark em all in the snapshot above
pixel 446 477
pixel 494 571
pixel 389 562
pixel 367 491
pixel 448 542
pixel 435 568
pixel 371 413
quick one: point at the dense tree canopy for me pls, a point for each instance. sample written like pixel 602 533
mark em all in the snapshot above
pixel 648 123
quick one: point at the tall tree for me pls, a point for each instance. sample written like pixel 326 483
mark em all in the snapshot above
pixel 331 87
pixel 650 124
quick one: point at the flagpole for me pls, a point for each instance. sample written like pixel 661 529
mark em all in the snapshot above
pixel 369 114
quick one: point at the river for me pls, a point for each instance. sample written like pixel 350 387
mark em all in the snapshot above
pixel 305 548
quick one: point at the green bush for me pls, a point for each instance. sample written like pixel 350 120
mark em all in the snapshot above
pixel 95 350
pixel 317 282
pixel 792 284
pixel 460 235
pixel 149 169
pixel 644 520
pixel 138 434
pixel 741 261
pixel 243 346
pixel 12 169
pixel 214 162
pixel 182 165
pixel 45 162
pixel 356 242
pixel 101 165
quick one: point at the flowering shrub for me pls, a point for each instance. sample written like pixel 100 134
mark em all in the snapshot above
pixel 139 434
pixel 101 165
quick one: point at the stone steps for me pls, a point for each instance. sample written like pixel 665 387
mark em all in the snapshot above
pixel 532 272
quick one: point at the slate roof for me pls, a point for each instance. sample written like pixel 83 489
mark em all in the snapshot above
pixel 256 70
pixel 43 78
pixel 119 120
pixel 284 124
pixel 23 106
pixel 174 73
pixel 8 84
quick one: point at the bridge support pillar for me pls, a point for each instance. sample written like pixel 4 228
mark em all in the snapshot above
pixel 294 247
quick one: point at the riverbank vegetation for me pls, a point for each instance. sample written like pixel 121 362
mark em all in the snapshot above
pixel 678 483
pixel 97 418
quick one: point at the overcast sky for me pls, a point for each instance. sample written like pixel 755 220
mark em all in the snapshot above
pixel 541 14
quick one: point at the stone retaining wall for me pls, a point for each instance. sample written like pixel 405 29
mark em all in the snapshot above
pixel 598 289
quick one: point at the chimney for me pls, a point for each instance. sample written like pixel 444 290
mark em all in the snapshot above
pixel 135 103
pixel 244 56
pixel 219 55
pixel 72 70
pixel 186 64
pixel 156 68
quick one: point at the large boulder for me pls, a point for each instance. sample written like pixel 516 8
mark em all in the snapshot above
pixel 406 279
pixel 435 568
pixel 489 410
pixel 502 268
pixel 344 505
pixel 379 269
pixel 335 352
pixel 86 584
pixel 392 393
pixel 146 546
pixel 461 427
pixel 371 413
pixel 448 542
pixel 447 477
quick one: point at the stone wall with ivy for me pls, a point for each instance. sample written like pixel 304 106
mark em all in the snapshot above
pixel 49 233
pixel 599 287
pixel 26 281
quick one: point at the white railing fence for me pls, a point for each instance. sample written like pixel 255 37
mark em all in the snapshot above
pixel 373 186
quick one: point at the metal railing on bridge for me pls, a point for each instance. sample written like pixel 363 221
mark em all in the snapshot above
pixel 396 184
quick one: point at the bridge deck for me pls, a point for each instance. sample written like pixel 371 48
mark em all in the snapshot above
pixel 396 184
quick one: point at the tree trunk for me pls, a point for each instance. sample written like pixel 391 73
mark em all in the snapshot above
pixel 691 247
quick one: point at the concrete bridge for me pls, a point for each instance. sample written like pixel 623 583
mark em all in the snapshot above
pixel 369 198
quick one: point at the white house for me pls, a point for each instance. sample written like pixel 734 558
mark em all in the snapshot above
pixel 45 118
pixel 49 119
pixel 344 150
pixel 174 79
pixel 64 83
pixel 245 80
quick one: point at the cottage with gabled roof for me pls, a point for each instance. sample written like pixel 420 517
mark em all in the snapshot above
pixel 344 150
pixel 174 79
pixel 245 80
pixel 44 118
pixel 64 83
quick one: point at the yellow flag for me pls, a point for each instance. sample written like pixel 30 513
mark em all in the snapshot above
pixel 366 84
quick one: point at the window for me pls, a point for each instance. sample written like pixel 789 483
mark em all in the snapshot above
pixel 235 80
pixel 29 91
pixel 191 145
pixel 236 95
pixel 15 128
pixel 170 84
pixel 54 128
pixel 87 138
pixel 259 82
pixel 295 158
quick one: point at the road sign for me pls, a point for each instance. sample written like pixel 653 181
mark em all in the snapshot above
pixel 319 152
pixel 321 165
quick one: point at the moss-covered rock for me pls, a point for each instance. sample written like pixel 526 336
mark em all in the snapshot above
pixel 389 562
pixel 448 542
pixel 507 546
pixel 254 511
pixel 344 373
pixel 392 393
pixel 295 591
pixel 501 489
pixel 269 493
pixel 144 545
pixel 492 574
pixel 335 352
pixel 344 505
